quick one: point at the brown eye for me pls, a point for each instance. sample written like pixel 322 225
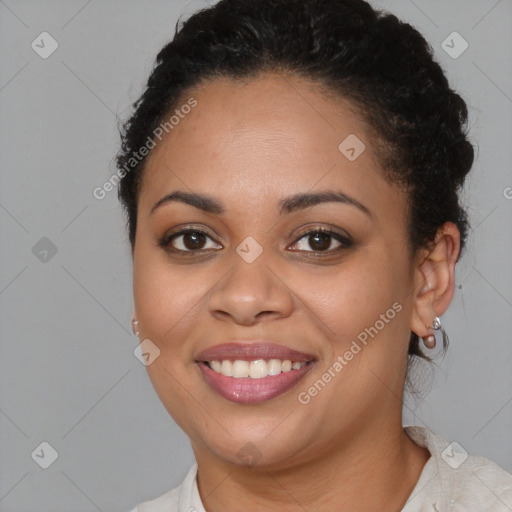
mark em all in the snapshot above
pixel 194 240
pixel 321 240
pixel 190 240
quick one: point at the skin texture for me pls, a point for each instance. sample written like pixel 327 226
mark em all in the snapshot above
pixel 250 144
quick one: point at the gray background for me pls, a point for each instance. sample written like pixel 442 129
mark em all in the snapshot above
pixel 68 375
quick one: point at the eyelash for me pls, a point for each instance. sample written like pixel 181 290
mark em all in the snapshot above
pixel 345 242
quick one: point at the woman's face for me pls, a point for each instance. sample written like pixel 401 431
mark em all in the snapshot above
pixel 257 271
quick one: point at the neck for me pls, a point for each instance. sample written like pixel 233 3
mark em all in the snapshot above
pixel 376 469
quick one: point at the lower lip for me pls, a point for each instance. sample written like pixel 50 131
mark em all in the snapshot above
pixel 250 391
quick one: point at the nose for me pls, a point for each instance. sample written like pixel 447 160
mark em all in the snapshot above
pixel 250 293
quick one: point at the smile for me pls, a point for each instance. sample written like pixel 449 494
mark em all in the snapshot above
pixel 252 373
pixel 250 390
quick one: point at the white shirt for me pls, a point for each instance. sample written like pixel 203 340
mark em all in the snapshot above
pixel 451 481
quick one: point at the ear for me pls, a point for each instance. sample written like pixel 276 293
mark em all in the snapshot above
pixel 434 279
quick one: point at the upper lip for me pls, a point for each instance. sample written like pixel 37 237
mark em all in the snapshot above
pixel 250 351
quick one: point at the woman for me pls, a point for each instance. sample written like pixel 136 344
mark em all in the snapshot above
pixel 291 179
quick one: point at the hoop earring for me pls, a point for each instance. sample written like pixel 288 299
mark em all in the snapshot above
pixel 430 340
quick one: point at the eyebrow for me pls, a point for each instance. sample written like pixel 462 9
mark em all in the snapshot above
pixel 202 202
pixel 305 200
pixel 288 205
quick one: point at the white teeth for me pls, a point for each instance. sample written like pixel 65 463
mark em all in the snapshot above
pixel 226 368
pixel 240 369
pixel 256 369
pixel 216 365
pixel 274 367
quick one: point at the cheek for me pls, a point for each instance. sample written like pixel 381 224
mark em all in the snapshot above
pixel 361 304
pixel 349 298
pixel 166 297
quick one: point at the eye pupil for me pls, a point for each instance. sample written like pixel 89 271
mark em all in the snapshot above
pixel 193 240
pixel 320 241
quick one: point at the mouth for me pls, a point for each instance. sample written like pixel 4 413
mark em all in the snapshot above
pixel 252 373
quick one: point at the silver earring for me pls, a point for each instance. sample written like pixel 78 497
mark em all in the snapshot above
pixel 430 340
pixel 135 327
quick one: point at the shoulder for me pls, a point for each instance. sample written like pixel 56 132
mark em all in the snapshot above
pixel 459 481
pixel 167 502
pixel 170 501
pixel 479 482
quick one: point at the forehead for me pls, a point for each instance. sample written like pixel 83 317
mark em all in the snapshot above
pixel 268 136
